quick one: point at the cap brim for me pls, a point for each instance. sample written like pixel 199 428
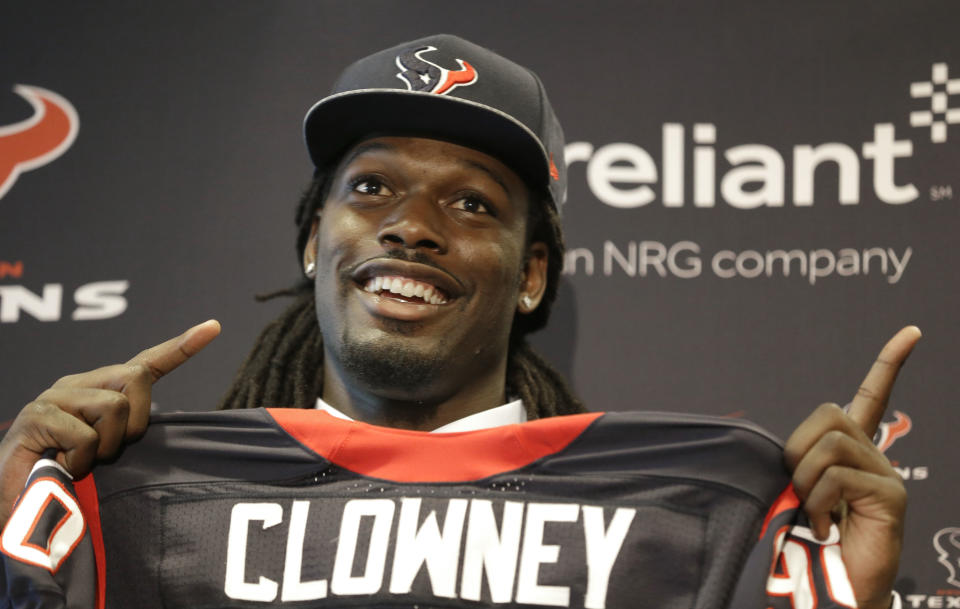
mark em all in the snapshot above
pixel 337 122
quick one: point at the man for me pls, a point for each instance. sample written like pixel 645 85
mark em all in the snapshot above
pixel 430 244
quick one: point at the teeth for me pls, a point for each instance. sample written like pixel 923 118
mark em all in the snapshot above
pixel 405 287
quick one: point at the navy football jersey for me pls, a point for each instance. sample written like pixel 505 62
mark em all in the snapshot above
pixel 296 508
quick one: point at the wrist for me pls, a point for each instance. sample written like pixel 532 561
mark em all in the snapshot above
pixel 893 602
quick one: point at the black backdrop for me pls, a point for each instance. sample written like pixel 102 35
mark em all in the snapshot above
pixel 178 192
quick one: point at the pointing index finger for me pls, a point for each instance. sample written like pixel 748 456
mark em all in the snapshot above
pixel 164 358
pixel 870 402
pixel 159 360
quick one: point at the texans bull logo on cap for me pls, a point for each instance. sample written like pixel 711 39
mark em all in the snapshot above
pixel 428 77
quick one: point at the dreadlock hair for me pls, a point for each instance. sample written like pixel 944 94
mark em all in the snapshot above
pixel 284 368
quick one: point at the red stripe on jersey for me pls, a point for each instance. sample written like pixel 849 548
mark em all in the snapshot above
pixel 787 500
pixel 86 491
pixel 416 456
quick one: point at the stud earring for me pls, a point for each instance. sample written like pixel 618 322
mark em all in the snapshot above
pixel 310 271
pixel 527 302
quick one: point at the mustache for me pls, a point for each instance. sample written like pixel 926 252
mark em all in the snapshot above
pixel 401 254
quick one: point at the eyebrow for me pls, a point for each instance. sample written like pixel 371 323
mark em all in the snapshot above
pixel 493 175
pixel 364 148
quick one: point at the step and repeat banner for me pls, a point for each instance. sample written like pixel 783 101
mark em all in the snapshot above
pixel 760 195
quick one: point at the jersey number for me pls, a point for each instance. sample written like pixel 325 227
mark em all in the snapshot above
pixel 45 527
pixel 791 574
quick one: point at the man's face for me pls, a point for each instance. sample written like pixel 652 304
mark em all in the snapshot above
pixel 421 265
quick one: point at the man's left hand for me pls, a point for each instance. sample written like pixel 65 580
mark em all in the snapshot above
pixel 842 477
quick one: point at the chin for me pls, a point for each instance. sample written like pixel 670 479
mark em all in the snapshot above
pixel 391 368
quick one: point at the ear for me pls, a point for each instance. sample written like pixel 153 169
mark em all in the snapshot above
pixel 534 282
pixel 310 250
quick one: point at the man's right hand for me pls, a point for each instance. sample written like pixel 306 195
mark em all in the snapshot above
pixel 91 415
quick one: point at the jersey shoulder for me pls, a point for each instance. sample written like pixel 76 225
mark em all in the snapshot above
pixel 734 453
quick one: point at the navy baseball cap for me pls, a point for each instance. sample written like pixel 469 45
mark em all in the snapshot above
pixel 445 87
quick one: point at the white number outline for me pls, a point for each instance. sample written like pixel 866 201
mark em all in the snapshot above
pixel 64 537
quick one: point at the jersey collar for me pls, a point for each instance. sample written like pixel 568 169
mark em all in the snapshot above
pixel 507 414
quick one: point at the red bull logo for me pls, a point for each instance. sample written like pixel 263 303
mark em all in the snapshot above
pixel 38 140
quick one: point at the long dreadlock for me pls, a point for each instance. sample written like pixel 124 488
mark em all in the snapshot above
pixel 285 366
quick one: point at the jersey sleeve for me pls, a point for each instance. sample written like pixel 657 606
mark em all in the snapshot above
pixel 789 568
pixel 47 553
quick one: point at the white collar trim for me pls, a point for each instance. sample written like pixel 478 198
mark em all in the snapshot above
pixel 507 414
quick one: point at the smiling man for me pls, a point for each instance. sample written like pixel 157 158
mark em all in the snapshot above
pixel 431 247
pixel 421 261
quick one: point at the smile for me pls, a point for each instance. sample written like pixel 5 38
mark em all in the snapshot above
pixel 409 289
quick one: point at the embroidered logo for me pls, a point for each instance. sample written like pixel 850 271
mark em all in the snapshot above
pixel 427 77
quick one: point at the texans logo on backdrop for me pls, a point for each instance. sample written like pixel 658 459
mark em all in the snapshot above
pixel 425 76
pixel 889 432
pixel 38 140
pixel 947 544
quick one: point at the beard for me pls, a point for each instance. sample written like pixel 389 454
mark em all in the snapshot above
pixel 394 370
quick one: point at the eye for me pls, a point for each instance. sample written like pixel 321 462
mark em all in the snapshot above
pixel 369 185
pixel 473 204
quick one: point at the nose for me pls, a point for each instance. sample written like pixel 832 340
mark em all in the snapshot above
pixel 414 223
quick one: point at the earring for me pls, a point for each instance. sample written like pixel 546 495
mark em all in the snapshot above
pixel 527 302
pixel 310 271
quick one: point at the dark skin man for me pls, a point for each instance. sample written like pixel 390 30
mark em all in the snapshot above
pixel 445 202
